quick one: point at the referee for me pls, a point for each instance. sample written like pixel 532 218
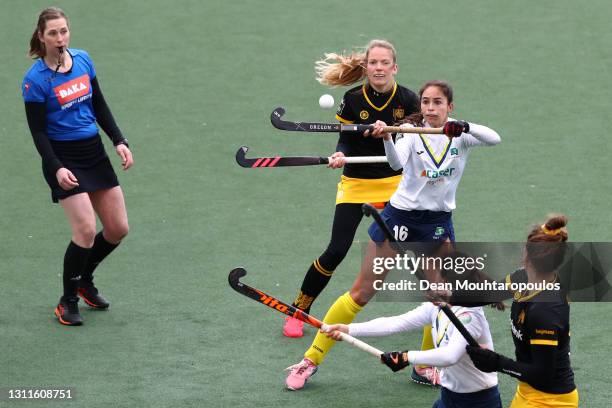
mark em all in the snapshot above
pixel 63 102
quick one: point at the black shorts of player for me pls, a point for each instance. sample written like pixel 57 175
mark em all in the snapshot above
pixel 88 161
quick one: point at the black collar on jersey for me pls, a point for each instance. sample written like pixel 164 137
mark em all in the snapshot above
pixel 365 95
pixel 438 162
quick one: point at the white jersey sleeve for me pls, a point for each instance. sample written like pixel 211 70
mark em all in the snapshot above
pixel 480 135
pixel 385 326
pixel 392 157
pixel 398 153
pixel 454 350
pixel 443 356
pixel 458 373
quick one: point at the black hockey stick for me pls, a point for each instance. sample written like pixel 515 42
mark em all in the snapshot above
pixel 369 210
pixel 281 124
pixel 280 161
pixel 273 303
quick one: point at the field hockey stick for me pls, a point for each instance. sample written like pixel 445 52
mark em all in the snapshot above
pixel 280 161
pixel 369 210
pixel 289 310
pixel 278 123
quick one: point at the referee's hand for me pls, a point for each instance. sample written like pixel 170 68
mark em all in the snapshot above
pixel 66 179
pixel 126 156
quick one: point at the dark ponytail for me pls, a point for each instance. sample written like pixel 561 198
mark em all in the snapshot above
pixel 37 48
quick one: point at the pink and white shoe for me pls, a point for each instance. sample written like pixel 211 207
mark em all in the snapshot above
pixel 426 376
pixel 299 374
pixel 293 327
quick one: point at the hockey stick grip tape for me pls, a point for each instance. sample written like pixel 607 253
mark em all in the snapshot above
pixel 399 129
pixel 393 129
pixel 356 343
pixel 363 159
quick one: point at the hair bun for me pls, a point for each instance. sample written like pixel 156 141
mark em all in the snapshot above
pixel 556 221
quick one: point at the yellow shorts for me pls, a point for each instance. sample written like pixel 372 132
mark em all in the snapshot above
pixel 528 397
pixel 357 190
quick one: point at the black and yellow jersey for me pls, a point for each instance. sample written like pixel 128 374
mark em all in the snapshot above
pixel 541 333
pixel 363 105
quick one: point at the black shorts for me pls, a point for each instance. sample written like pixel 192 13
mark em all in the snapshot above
pixel 88 161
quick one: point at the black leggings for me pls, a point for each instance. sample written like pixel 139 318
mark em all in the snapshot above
pixel 346 221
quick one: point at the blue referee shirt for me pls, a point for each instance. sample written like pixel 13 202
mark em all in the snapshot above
pixel 67 97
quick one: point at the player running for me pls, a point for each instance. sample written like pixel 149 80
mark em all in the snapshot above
pixel 379 98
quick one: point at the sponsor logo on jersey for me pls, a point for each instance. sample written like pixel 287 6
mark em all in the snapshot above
pixel 71 90
pixel 516 332
pixel 364 114
pixel 465 318
pixel 434 174
pixel 27 87
pixel 454 151
pixel 398 113
pixel 544 332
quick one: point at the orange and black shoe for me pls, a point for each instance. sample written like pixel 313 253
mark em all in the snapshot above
pixel 67 311
pixel 92 297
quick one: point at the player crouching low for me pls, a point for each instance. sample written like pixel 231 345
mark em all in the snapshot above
pixel 463 385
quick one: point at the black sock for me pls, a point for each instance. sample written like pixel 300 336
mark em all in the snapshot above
pixel 100 250
pixel 74 261
pixel 314 282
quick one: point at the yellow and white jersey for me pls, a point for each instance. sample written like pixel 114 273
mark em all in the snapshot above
pixel 432 166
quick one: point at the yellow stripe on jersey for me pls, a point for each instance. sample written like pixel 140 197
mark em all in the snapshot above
pixel 441 331
pixel 365 95
pixel 357 190
pixel 542 342
pixel 438 158
pixel 346 122
pixel 527 396
pixel 321 269
pixel 509 282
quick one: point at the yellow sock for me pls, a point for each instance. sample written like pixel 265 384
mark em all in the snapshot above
pixel 344 311
pixel 427 342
